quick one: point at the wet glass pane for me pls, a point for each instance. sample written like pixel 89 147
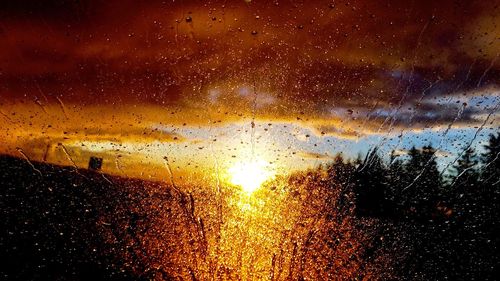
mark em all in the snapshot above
pixel 249 140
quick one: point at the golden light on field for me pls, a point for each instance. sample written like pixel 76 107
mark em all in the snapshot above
pixel 250 175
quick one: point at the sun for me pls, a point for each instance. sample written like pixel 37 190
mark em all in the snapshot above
pixel 250 175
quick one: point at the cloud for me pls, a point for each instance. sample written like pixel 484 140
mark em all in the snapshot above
pixel 307 56
pixel 33 125
pixel 439 152
pixel 315 155
pixel 120 71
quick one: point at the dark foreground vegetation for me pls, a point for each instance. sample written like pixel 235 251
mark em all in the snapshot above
pixel 365 219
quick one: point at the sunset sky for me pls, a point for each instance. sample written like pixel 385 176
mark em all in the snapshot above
pixel 135 82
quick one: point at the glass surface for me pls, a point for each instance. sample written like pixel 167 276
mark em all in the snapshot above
pixel 249 140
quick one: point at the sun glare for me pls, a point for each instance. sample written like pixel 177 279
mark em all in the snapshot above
pixel 250 175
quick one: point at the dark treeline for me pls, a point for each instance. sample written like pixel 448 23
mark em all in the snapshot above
pixel 447 220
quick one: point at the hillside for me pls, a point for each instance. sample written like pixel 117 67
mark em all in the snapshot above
pixel 53 222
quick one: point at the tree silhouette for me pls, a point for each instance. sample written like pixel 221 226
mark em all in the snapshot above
pixel 490 182
pixel 485 213
pixel 424 182
pixel 464 177
pixel 397 180
pixel 371 187
pixel 491 161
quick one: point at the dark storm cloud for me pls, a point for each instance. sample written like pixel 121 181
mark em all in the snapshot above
pixel 66 10
pixel 312 58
